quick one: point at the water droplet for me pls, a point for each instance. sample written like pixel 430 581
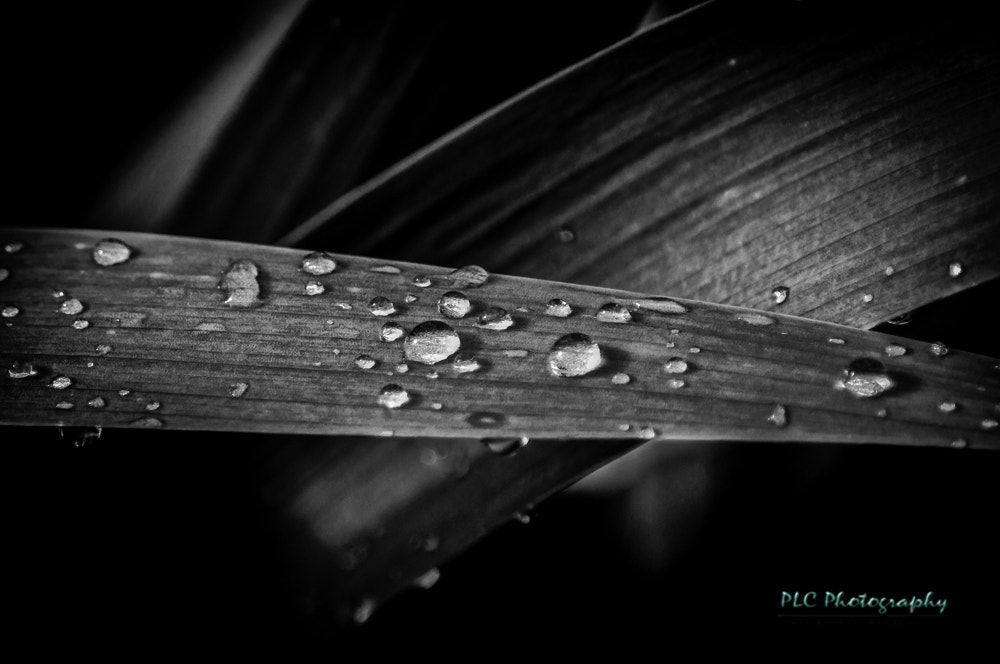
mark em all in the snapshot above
pixel 895 350
pixel 988 423
pixel 867 297
pixel 65 405
pixel 147 423
pixel 621 379
pixel 71 306
pixel 757 320
pixel 959 443
pixel 574 354
pixel 947 406
pixel 675 365
pixel 470 276
pixel 437 405
pixel 889 271
pixel 22 370
pixel 836 340
pixel 13 247
pixel 385 269
pixel 410 299
pixel 238 389
pixel 391 331
pixel 102 349
pixel 867 378
pixel 661 305
pixel 421 281
pixel 484 420
pixel 433 375
pixel 882 412
pixel 694 349
pixel 111 252
pixel 4 273
pixel 505 446
pixel 955 269
pixel 427 579
pixel 614 312
pixel 495 318
pixel 60 382
pixel 381 306
pixel 393 396
pixel 565 235
pixel 239 283
pixel 558 308
pixel 90 364
pixel 363 611
pixel 314 288
pixel 402 367
pixel 342 305
pixel 454 304
pixel 124 393
pixel 514 352
pixel 153 405
pixel 624 427
pixel 778 416
pixel 364 361
pixel 431 342
pixel 318 263
pixel 675 383
pixel 674 331
pixel 902 319
pixel 10 311
pixel 465 363
pixel 97 402
pixel 779 294
pixel 939 349
pixel 647 432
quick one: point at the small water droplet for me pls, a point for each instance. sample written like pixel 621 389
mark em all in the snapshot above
pixel 402 367
pixel 13 247
pixel 867 297
pixel 393 396
pixel 988 423
pixel 385 269
pixel 621 379
pixel 314 288
pixel 779 294
pixel 153 405
pixel 939 349
pixel 10 311
pixel 955 269
pixel 437 405
pixel 124 393
pixel 210 327
pixel 421 281
pixel 81 324
pixel 90 364
pixel 4 273
pixel 71 306
pixel 363 611
pixel 675 383
pixel 454 304
pixel 465 363
pixel 505 446
pixel 902 319
pixel 757 320
pixel 694 349
pixel 97 402
pixel 364 361
pixel 514 352
pixel 674 330
pixel 836 340
pixel 433 375
pixel 889 271
pixel 318 263
pixel 111 252
pixel 65 405
pixel 410 299
pixel 239 283
pixel 959 443
pixel 867 378
pixel 574 354
pixel 647 432
pixel 470 276
pixel 882 412
pixel 614 312
pixel 778 416
pixel 558 308
pixel 675 365
pixel 947 406
pixel 565 235
pixel 484 420
pixel 895 350
pixel 238 389
pixel 60 382
pixel 342 305
pixel 624 427
pixel 427 579
pixel 381 306
pixel 102 349
pixel 431 342
pixel 391 331
pixel 495 318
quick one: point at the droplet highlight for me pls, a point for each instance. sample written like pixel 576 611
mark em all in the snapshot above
pixel 505 446
pixel 22 370
pixel 81 324
pixel 778 416
pixel 939 349
pixel 675 365
pixel 621 379
pixel 10 311
pixel 895 350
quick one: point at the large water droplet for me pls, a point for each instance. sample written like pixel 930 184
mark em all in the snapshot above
pixel 22 370
pixel 939 349
pixel 757 320
pixel 558 308
pixel 238 389
pixel 621 379
pixel 955 270
pixel 465 363
pixel 61 382
pixel 675 365
pixel 239 283
pixel 505 446
pixel 614 312
pixel 364 361
pixel 867 378
pixel 71 307
pixel 454 304
pixel 81 324
pixel 318 263
pixel 495 318
pixel 381 306
pixel 393 396
pixel 10 311
pixel 111 252
pixel 314 288
pixel 470 276
pixel 895 350
pixel 430 342
pixel 391 331
pixel 574 354
pixel 778 416
pixel 779 294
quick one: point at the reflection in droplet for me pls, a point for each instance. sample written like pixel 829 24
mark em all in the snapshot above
pixel 495 318
pixel 675 383
pixel 431 342
pixel 454 304
pixel 153 405
pixel 867 297
pixel 393 396
pixel 779 294
pixel 381 306
pixel 558 308
pixel 402 367
pixel 647 432
pixel 318 263
pixel 71 306
pixel 836 340
pixel 124 393
pixel 574 354
pixel 239 283
pixel 111 252
pixel 694 349
pixel 889 271
pixel 614 312
pixel 410 299
pixel 391 331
